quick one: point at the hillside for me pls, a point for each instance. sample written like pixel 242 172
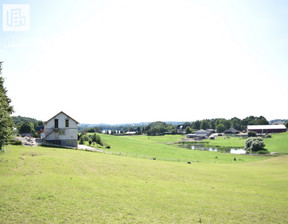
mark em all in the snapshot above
pixel 18 120
pixel 50 185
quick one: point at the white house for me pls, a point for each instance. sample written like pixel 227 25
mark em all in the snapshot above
pixel 61 130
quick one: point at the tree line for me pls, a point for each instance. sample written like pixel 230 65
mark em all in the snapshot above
pixel 221 124
pixel 160 128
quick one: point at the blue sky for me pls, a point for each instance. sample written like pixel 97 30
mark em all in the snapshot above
pixel 130 61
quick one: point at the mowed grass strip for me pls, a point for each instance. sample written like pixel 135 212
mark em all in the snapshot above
pixel 50 185
pixel 159 148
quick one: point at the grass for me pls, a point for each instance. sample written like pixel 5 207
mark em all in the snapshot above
pixel 278 143
pixel 51 185
pixel 156 147
pixel 225 141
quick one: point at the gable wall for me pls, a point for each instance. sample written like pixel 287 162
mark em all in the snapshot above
pixel 63 135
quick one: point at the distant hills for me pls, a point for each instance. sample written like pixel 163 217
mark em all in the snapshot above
pixel 19 119
pixel 278 121
pixel 119 126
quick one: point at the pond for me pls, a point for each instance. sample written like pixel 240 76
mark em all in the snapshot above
pixel 204 147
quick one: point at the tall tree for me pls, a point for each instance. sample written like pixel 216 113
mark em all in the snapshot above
pixel 6 122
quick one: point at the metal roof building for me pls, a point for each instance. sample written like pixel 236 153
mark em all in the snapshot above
pixel 267 128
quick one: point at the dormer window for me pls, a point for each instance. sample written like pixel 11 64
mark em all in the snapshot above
pixel 67 123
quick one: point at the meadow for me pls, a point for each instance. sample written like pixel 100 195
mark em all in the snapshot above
pixel 51 185
pixel 164 148
pixel 56 185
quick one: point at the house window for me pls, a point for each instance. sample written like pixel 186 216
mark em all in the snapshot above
pixel 56 123
pixel 66 123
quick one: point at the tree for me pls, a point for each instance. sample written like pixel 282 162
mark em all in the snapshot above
pixel 196 125
pixel 188 130
pixel 220 128
pixel 236 123
pixel 158 128
pixel 97 139
pixel 27 127
pixel 255 144
pixel 82 140
pixel 6 122
pixel 204 124
pixel 286 124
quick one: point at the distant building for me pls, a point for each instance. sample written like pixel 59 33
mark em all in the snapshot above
pixel 131 133
pixel 267 128
pixel 200 134
pixel 231 131
pixel 61 130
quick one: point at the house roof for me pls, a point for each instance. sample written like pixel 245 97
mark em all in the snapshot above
pixel 232 130
pixel 61 112
pixel 202 132
pixel 260 127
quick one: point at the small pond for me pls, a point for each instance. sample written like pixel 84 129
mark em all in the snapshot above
pixel 204 147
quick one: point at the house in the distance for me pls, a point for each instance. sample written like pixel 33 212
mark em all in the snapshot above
pixel 231 131
pixel 61 130
pixel 267 128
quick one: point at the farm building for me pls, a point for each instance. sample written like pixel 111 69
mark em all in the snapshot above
pixel 231 131
pixel 267 128
pixel 200 134
pixel 61 130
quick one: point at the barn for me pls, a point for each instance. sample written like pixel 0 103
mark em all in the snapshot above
pixel 61 130
pixel 267 128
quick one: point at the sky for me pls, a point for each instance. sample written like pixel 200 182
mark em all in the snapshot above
pixel 128 61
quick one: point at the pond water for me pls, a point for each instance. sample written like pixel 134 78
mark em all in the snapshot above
pixel 212 149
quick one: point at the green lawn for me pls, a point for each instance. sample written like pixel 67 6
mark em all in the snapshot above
pixel 226 141
pixel 278 143
pixel 149 147
pixel 51 185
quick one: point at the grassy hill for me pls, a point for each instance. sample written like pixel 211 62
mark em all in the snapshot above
pixel 156 147
pixel 51 185
pixel 278 143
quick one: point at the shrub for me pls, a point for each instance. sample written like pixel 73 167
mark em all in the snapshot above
pixel 263 152
pixel 255 144
pixel 82 141
pixel 15 142
pixel 252 134
pixel 268 136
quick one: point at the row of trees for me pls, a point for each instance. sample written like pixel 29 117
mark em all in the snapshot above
pixel 158 127
pixel 27 125
pixel 221 124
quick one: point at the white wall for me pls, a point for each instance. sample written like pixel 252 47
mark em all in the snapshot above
pixel 64 133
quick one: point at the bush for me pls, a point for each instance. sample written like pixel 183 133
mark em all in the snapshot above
pixel 252 134
pixel 82 141
pixel 255 144
pixel 15 142
pixel 263 152
pixel 268 136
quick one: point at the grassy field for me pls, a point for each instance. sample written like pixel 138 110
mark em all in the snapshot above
pixel 225 141
pixel 156 147
pixel 51 185
pixel 278 143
